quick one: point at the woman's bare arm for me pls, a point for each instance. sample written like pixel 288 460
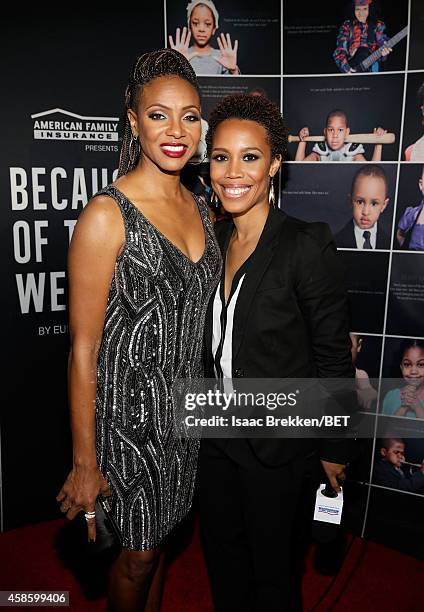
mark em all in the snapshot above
pixel 96 243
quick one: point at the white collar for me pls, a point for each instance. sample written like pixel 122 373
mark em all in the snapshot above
pixel 359 235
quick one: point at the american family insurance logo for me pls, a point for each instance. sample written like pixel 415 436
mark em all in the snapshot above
pixel 59 124
pixel 328 510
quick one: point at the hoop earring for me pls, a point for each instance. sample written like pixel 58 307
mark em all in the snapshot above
pixel 271 194
pixel 214 198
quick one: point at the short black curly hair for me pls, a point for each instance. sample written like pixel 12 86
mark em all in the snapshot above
pixel 251 108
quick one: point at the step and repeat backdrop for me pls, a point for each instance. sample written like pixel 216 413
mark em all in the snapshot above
pixel 355 113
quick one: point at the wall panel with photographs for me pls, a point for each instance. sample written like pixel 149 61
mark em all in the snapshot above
pixel 355 112
pixel 373 202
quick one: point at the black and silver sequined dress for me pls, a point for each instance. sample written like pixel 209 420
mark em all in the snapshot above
pixel 153 334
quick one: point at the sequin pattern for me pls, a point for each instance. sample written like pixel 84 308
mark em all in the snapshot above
pixel 153 334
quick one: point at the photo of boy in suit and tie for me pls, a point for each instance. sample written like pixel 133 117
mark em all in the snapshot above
pixel 335 147
pixel 368 198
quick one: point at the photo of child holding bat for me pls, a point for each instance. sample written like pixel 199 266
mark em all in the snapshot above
pixel 408 400
pixel 338 144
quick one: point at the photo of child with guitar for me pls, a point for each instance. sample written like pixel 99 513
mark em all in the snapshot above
pixel 362 43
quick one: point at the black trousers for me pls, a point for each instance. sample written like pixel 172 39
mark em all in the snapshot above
pixel 255 522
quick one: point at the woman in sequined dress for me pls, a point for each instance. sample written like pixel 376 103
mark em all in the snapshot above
pixel 143 264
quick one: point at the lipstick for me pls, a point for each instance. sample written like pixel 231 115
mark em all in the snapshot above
pixel 173 149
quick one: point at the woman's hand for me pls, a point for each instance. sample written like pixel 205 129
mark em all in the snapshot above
pixel 335 472
pixel 228 55
pixel 80 492
pixel 182 42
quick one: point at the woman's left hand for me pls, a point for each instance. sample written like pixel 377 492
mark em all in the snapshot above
pixel 335 472
pixel 228 55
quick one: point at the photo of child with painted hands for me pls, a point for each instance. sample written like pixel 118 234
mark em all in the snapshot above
pixel 194 41
pixel 335 147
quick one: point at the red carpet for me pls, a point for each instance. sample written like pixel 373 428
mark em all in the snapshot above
pixel 372 578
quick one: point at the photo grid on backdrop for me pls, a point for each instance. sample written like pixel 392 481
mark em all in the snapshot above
pixel 355 113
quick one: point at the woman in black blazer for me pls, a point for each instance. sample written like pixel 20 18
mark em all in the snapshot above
pixel 280 311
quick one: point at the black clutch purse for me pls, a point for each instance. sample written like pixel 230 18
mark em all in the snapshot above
pixel 108 536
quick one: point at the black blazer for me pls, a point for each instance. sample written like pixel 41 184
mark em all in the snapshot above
pixel 346 237
pixel 291 319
